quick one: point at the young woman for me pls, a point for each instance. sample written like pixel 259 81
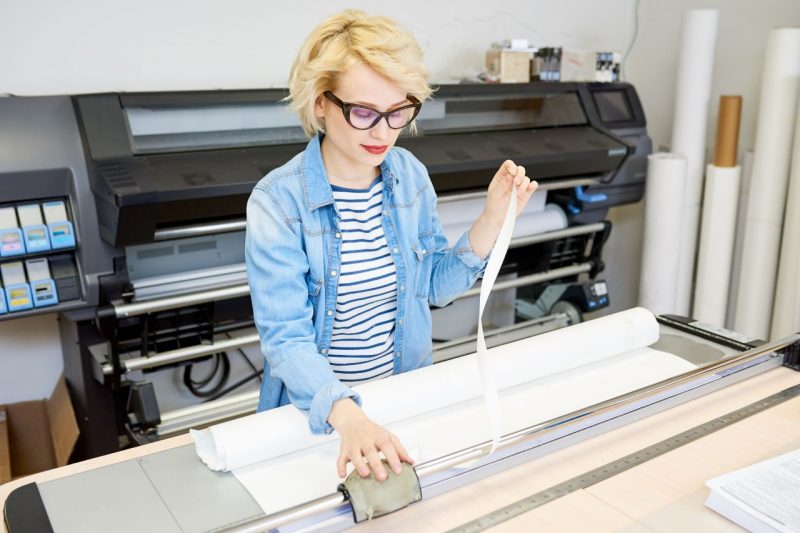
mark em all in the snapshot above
pixel 345 251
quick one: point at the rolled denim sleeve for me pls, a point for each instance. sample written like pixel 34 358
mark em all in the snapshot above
pixel 277 267
pixel 454 270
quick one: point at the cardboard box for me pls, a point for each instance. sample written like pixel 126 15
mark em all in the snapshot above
pixel 509 66
pixel 5 455
pixel 41 433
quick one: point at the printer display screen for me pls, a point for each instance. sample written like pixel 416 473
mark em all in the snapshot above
pixel 613 106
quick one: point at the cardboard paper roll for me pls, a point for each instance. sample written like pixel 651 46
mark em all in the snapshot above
pixel 741 216
pixel 777 110
pixel 692 95
pixel 786 310
pixel 284 430
pixel 727 146
pixel 663 204
pixel 715 254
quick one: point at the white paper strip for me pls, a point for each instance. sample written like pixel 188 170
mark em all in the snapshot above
pixel 716 244
pixel 661 244
pixel 692 94
pixel 777 112
pixel 486 366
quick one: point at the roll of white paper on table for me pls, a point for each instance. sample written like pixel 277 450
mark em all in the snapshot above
pixel 454 212
pixel 777 110
pixel 284 430
pixel 692 94
pixel 716 244
pixel 663 207
pixel 786 310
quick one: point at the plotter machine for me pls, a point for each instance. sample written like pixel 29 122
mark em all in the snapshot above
pixel 125 213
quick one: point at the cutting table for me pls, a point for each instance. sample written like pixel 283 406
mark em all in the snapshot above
pixel 164 487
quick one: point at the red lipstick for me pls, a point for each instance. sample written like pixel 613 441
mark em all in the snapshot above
pixel 375 149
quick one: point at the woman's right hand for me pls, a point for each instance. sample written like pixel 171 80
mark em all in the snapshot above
pixel 362 440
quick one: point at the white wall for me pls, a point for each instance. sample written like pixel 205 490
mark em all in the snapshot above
pixel 56 47
pixel 48 46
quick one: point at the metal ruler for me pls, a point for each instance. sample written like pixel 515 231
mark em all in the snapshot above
pixel 613 468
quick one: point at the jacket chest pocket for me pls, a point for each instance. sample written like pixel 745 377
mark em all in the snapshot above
pixel 423 257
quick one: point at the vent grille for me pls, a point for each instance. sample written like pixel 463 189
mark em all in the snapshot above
pixel 118 176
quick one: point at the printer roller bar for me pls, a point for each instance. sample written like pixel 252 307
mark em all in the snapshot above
pixel 182 354
pixel 532 279
pixel 574 421
pixel 197 230
pixel 126 310
pixel 199 350
pixel 549 185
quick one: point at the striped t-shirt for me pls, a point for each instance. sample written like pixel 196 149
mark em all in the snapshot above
pixel 362 344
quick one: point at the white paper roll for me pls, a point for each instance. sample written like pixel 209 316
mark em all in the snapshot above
pixel 741 217
pixel 692 95
pixel 463 211
pixel 716 244
pixel 456 427
pixel 284 430
pixel 666 177
pixel 551 218
pixel 776 116
pixel 786 310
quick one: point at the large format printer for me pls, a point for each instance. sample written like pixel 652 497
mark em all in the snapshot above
pixel 151 190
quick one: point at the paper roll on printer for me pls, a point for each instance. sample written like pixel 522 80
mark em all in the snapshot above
pixel 459 319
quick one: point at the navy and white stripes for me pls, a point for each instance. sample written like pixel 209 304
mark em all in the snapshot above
pixel 362 344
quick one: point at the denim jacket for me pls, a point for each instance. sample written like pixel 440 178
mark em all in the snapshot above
pixel 292 251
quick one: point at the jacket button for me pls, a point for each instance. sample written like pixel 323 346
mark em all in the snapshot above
pixel 330 313
pixel 338 235
pixel 333 273
pixel 395 250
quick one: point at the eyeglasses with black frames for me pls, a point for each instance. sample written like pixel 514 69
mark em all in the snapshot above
pixel 363 117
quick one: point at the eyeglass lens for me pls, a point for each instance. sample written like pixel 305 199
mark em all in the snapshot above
pixel 362 117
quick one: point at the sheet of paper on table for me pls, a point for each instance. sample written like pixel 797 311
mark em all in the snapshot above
pixel 761 497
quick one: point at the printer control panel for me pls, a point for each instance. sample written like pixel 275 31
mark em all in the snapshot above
pixel 37 260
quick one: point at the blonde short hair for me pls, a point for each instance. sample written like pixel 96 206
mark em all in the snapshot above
pixel 344 41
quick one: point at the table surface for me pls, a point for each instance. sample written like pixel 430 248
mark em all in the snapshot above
pixel 666 493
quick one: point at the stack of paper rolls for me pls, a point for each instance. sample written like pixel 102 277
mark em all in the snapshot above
pixel 719 218
pixel 692 95
pixel 780 87
pixel 786 311
pixel 663 200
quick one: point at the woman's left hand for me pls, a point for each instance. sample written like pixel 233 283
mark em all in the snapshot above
pixel 501 187
pixel 484 231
